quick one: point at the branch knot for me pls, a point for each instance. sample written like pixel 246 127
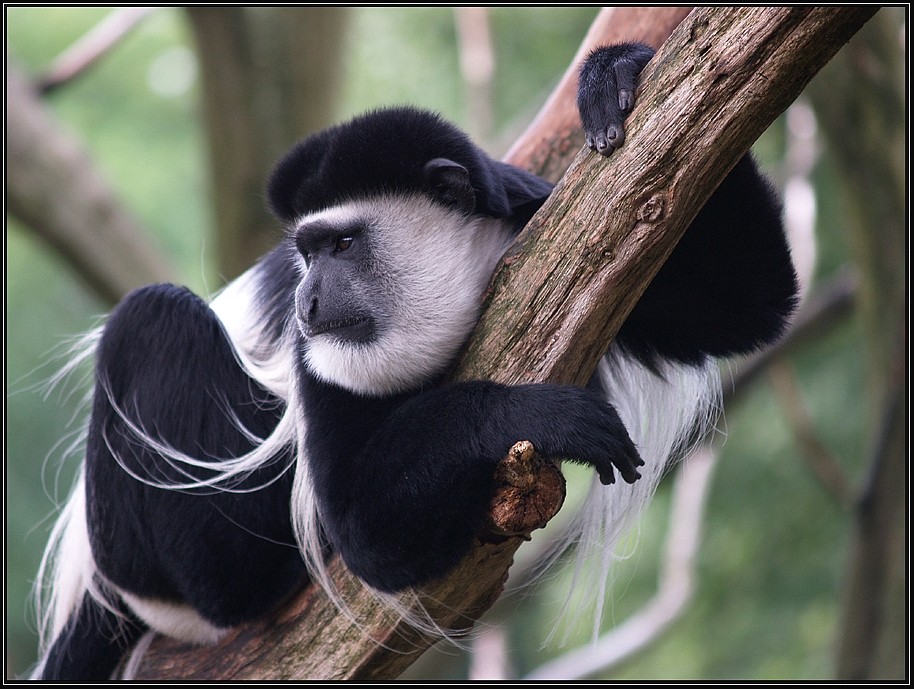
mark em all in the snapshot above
pixel 530 492
pixel 653 209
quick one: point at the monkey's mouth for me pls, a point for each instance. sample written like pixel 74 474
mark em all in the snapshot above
pixel 347 329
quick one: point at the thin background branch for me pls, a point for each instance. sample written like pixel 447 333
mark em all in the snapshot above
pixel 477 66
pixel 92 46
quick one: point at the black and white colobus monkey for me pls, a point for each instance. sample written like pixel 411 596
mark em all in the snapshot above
pixel 231 444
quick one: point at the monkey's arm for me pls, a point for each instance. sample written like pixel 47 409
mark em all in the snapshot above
pixel 406 507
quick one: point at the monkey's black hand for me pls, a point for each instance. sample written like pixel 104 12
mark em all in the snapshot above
pixel 606 93
pixel 623 455
pixel 587 431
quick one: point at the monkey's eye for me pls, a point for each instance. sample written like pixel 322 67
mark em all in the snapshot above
pixel 306 255
pixel 343 243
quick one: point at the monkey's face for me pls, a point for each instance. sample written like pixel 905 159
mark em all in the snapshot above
pixel 391 288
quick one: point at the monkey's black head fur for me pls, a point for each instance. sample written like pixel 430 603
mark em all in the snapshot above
pixel 385 152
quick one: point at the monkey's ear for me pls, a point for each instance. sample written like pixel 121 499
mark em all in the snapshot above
pixel 449 182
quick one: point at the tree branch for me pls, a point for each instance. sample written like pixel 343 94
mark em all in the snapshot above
pixel 477 66
pixel 825 467
pixel 92 46
pixel 554 137
pixel 714 86
pixel 53 187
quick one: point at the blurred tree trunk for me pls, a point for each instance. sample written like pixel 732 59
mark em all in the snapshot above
pixel 270 76
pixel 859 101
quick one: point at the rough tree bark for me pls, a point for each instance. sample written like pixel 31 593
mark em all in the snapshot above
pixel 722 77
pixel 720 80
pixel 270 76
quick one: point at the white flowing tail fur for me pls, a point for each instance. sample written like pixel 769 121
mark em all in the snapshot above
pixel 664 410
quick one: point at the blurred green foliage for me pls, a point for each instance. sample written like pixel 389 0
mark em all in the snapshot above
pixel 771 564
